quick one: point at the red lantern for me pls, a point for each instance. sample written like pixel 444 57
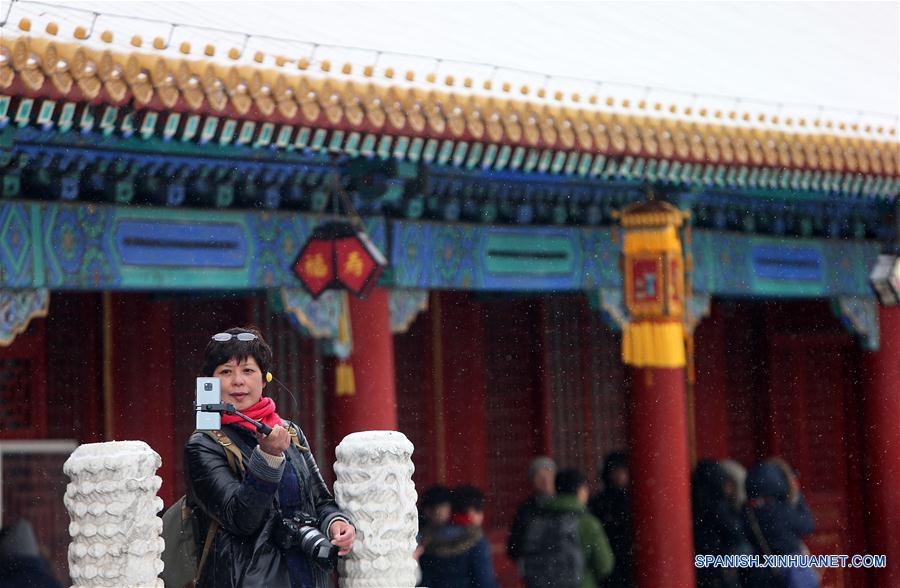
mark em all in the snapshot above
pixel 338 256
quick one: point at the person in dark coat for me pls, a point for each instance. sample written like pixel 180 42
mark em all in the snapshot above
pixel 434 510
pixel 613 507
pixel 718 528
pixel 458 555
pixel 21 562
pixel 776 520
pixel 541 476
pixel 736 485
pixel 565 545
pixel 281 480
pixel 434 513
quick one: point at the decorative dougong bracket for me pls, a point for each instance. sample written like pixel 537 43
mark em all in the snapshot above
pixel 321 316
pixel 17 308
pixel 859 315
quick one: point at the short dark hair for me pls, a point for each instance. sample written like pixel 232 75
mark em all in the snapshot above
pixel 436 495
pixel 615 460
pixel 568 481
pixel 463 498
pixel 219 352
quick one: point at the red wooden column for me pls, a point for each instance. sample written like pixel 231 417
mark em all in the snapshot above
pixel 653 346
pixel 660 479
pixel 373 407
pixel 882 441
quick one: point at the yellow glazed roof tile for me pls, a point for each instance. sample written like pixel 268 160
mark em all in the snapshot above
pixel 288 91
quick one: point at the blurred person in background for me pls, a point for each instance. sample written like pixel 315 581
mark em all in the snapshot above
pixel 565 546
pixel 458 555
pixel 613 507
pixel 718 527
pixel 434 510
pixel 21 562
pixel 776 519
pixel 735 486
pixel 542 477
pixel 434 513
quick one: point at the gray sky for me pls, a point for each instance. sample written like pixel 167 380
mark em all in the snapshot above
pixel 843 55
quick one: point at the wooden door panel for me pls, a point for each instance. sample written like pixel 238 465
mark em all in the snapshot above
pixel 809 392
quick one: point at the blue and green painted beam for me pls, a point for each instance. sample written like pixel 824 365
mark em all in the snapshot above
pixel 98 247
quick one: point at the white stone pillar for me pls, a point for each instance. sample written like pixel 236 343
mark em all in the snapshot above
pixel 374 486
pixel 113 506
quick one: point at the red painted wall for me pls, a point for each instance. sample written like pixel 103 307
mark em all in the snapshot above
pixel 143 396
pixel 414 357
pixel 74 360
pixel 466 437
pixel 23 367
pixel 710 389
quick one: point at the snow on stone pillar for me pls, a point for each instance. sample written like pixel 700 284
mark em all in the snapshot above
pixel 112 503
pixel 374 486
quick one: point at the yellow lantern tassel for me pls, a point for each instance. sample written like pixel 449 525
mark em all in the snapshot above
pixel 653 344
pixel 345 384
pixel 345 381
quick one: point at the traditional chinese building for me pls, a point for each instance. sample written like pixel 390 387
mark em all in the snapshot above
pixel 568 274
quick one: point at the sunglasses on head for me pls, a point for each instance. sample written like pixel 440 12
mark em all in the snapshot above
pixel 222 337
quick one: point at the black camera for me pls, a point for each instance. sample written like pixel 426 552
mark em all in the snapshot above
pixel 300 531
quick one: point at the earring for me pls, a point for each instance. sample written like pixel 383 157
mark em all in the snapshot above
pixel 268 376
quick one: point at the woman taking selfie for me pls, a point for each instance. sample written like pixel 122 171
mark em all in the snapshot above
pixel 269 512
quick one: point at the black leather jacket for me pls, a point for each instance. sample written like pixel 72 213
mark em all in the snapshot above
pixel 241 555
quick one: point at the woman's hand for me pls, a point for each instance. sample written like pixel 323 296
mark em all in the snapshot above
pixel 342 534
pixel 275 442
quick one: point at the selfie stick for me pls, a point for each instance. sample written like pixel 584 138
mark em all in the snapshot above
pixel 229 409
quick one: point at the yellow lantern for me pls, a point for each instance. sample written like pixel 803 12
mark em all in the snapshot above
pixel 654 288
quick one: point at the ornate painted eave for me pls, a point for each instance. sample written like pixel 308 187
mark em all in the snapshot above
pixel 76 247
pixel 273 101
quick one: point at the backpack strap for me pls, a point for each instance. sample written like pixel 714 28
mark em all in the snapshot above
pixel 236 463
pixel 213 527
pixel 232 453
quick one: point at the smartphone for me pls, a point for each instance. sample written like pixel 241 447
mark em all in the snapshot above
pixel 209 391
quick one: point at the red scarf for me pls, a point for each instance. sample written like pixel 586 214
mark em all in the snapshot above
pixel 463 519
pixel 263 411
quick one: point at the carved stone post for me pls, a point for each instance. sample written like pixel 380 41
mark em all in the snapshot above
pixel 374 486
pixel 112 503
